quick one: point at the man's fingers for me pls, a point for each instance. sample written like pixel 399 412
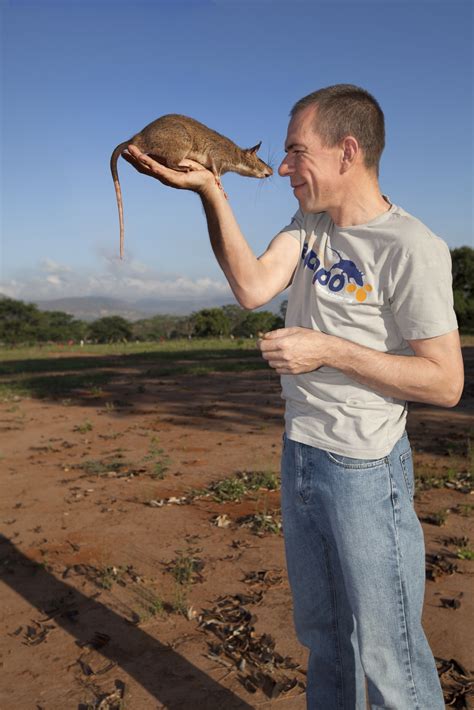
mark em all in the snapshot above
pixel 152 163
pixel 281 368
pixel 139 160
pixel 133 150
pixel 191 178
pixel 281 333
pixel 268 352
pixel 269 346
pixel 145 160
pixel 140 167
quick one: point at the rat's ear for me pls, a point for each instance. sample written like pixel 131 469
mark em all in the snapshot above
pixel 255 148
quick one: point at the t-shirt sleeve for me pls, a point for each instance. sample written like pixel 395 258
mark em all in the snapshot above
pixel 422 294
pixel 295 226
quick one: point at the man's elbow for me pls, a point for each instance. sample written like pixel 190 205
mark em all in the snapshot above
pixel 451 394
pixel 247 302
pixel 250 299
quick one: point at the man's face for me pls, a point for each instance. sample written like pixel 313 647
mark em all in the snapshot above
pixel 314 170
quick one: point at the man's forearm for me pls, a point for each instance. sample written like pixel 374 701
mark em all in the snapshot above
pixel 254 281
pixel 416 379
pixel 234 255
pixel 433 375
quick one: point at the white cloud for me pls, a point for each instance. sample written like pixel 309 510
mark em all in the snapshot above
pixel 54 280
pixel 129 280
pixel 51 266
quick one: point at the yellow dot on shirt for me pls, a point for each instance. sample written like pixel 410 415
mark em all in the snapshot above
pixel 351 288
pixel 361 295
pixel 368 287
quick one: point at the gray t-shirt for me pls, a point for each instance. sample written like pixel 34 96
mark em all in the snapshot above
pixel 377 284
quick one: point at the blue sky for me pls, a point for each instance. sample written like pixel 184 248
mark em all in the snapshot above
pixel 81 77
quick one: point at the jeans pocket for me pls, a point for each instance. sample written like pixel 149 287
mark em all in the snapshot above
pixel 406 461
pixel 350 463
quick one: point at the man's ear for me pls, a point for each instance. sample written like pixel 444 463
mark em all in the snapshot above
pixel 350 151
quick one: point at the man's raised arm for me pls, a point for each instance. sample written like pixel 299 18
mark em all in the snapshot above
pixel 254 281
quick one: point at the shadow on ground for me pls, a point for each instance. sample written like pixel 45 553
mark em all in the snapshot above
pixel 203 388
pixel 206 389
pixel 162 672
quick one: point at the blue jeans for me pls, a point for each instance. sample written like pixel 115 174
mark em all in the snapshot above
pixel 356 565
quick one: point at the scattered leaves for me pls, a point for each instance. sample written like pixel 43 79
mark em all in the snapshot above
pixel 438 566
pixel 233 624
pixel 457 683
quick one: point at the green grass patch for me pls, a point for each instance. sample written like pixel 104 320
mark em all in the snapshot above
pixel 236 488
pixel 61 374
pixel 439 517
pixel 465 509
pixel 150 604
pixel 158 459
pixel 427 478
pixel 84 427
pixel 263 523
pixel 186 567
pixel 53 386
pixel 13 390
pixel 101 467
pixel 52 359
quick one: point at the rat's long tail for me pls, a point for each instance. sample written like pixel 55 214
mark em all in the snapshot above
pixel 113 167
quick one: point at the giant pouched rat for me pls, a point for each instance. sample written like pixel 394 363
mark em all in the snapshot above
pixel 173 138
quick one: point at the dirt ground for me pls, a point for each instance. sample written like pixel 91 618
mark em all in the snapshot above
pixel 126 583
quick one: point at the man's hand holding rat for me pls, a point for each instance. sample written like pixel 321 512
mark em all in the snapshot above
pixel 196 178
pixel 292 351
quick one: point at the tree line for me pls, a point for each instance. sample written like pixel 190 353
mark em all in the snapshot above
pixel 24 323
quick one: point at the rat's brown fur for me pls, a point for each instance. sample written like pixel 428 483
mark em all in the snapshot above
pixel 173 138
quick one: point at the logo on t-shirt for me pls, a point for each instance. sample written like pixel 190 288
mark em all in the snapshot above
pixel 343 275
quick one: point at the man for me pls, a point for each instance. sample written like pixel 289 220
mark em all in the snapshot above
pixel 369 325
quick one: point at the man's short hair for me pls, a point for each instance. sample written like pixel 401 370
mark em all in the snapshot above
pixel 347 110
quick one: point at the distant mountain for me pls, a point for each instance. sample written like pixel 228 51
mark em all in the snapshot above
pixel 154 306
pixel 89 308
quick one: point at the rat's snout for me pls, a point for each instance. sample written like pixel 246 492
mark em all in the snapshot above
pixel 268 171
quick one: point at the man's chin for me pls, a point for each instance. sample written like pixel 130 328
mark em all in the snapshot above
pixel 308 205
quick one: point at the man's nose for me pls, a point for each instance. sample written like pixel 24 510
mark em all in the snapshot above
pixel 284 168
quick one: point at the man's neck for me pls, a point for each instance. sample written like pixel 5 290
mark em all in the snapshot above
pixel 360 204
